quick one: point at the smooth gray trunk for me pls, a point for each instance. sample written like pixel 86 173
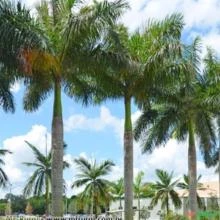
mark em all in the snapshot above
pixel 128 162
pixel 57 167
pixel 192 172
pixel 128 175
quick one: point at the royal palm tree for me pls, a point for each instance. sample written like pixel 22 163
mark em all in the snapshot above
pixel 211 93
pixel 91 177
pixel 181 113
pixel 3 175
pixel 40 181
pixel 117 189
pixel 185 186
pixel 70 26
pixel 131 64
pixel 139 188
pixel 165 190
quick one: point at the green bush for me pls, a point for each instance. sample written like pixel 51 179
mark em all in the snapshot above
pixel 174 216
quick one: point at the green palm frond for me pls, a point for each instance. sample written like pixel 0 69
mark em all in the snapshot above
pixel 3 178
pixel 165 190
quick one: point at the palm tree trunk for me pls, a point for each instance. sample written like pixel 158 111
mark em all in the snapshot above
pixel 120 206
pixel 128 161
pixel 47 196
pixel 57 153
pixel 192 172
pixel 167 205
pixel 139 206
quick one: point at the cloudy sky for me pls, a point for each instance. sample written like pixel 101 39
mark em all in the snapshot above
pixel 96 132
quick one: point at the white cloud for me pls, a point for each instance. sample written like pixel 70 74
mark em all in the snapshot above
pixel 14 168
pixel 16 87
pixel 105 120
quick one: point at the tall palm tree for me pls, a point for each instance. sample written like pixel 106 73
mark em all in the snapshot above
pixel 181 113
pixel 40 181
pixel 3 175
pixel 165 190
pixel 139 188
pixel 70 26
pixel 131 64
pixel 91 176
pixel 117 189
pixel 211 93
pixel 185 186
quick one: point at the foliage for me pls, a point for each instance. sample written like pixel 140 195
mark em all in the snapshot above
pixel 18 202
pixel 185 185
pixel 165 190
pixel 90 175
pixel 18 30
pixel 117 190
pixel 38 203
pixel 40 181
pixel 174 216
pixel 3 176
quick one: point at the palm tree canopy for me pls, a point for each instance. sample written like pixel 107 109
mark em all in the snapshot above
pixel 130 63
pixel 185 186
pixel 91 176
pixel 117 188
pixel 18 31
pixel 175 106
pixel 78 26
pixel 165 190
pixel 138 185
pixel 37 182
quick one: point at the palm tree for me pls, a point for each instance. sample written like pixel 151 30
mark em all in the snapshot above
pixel 165 190
pixel 185 186
pixel 211 93
pixel 40 181
pixel 181 113
pixel 131 64
pixel 3 175
pixel 139 188
pixel 17 30
pixel 117 189
pixel 91 176
pixel 70 28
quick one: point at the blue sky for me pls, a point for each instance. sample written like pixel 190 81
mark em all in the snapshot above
pixel 96 131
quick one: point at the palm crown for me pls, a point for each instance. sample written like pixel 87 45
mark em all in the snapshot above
pixel 165 190
pixel 91 176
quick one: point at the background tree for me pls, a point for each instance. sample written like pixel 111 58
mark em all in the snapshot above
pixel 69 32
pixel 38 203
pixel 40 181
pixel 130 64
pixel 91 177
pixel 139 188
pixel 18 202
pixel 179 112
pixel 185 186
pixel 165 191
pixel 117 190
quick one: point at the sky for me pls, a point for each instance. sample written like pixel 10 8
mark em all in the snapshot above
pixel 97 131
